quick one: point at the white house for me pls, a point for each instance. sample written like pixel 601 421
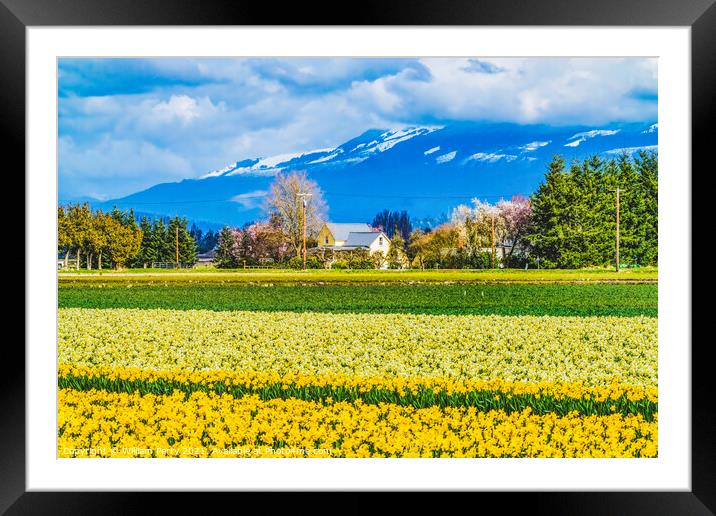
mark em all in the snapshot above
pixel 347 237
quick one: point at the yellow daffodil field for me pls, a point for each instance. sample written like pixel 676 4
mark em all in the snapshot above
pixel 412 377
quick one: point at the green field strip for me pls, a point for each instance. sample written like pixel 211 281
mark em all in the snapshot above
pixel 483 401
pixel 210 275
pixel 516 299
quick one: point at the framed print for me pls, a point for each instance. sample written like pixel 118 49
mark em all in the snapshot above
pixel 433 250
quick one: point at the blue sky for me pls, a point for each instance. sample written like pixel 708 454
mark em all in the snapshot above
pixel 127 124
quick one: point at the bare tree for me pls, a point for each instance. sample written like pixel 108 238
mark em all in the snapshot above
pixel 286 206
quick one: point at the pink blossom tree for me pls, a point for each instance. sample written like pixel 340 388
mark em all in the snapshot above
pixel 516 215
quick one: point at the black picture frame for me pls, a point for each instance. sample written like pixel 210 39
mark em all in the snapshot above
pixel 700 15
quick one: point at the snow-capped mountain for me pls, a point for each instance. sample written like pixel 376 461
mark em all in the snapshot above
pixel 426 170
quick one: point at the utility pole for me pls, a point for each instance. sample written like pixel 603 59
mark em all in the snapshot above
pixel 177 244
pixel 493 241
pixel 303 199
pixel 618 191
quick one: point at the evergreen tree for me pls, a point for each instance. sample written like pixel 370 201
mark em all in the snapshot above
pixel 647 166
pixel 226 249
pixel 148 251
pixel 160 241
pixel 553 207
pixel 187 246
pixel 392 221
pixel 209 241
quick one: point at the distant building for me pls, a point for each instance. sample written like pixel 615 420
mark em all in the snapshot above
pixel 205 259
pixel 348 237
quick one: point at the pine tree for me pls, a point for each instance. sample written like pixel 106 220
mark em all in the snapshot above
pixel 551 212
pixel 160 241
pixel 226 249
pixel 647 167
pixel 187 245
pixel 148 251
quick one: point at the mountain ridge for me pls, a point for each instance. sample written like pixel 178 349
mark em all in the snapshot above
pixel 424 169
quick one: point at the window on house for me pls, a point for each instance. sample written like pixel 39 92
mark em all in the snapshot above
pixel 380 241
pixel 326 240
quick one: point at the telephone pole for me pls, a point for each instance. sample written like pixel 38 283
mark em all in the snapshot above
pixel 618 191
pixel 303 199
pixel 177 245
pixel 493 241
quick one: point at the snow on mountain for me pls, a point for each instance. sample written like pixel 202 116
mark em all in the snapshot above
pixel 533 146
pixel 220 172
pixel 335 153
pixel 632 150
pixel 491 157
pixel 583 137
pixel 272 165
pixel 394 137
pixel 444 158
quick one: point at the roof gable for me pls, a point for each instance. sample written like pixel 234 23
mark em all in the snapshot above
pixel 341 231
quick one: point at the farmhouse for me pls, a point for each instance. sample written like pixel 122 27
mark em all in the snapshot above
pixel 348 237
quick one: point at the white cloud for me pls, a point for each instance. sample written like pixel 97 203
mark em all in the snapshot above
pixel 491 157
pixel 180 108
pixel 532 146
pixel 250 200
pixel 583 137
pixel 139 164
pixel 446 157
pixel 430 151
pixel 578 91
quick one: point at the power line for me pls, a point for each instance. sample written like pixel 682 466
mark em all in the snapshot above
pixel 447 196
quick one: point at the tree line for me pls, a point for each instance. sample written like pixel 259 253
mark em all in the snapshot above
pixel 569 222
pixel 574 212
pixel 115 240
pixel 165 240
pixel 393 221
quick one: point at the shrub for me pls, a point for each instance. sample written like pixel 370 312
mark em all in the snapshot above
pixel 363 263
pixel 295 263
pixel 312 263
pixel 340 265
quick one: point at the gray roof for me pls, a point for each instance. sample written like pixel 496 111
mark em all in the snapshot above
pixel 363 238
pixel 341 231
pixel 342 247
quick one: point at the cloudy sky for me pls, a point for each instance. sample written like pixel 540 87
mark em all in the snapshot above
pixel 127 124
